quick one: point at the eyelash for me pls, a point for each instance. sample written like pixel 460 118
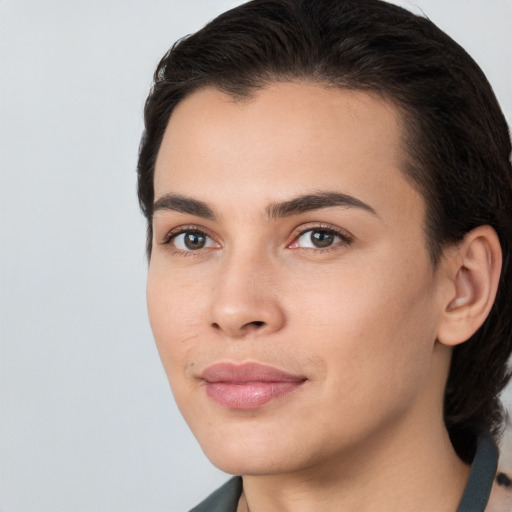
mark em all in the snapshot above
pixel 345 237
pixel 173 234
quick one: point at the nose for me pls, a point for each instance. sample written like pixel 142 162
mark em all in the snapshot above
pixel 245 300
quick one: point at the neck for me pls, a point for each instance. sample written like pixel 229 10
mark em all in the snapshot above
pixel 392 471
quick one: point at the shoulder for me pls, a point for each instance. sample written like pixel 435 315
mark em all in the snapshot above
pixel 224 499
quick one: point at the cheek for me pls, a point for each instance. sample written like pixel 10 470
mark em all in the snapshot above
pixel 374 325
pixel 176 318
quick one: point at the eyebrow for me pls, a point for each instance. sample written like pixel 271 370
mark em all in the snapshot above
pixel 183 204
pixel 295 206
pixel 316 201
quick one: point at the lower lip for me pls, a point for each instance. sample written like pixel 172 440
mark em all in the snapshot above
pixel 248 395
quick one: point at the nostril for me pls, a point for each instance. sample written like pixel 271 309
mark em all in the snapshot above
pixel 250 325
pixel 253 325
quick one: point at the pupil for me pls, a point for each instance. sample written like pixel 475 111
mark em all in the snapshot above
pixel 322 239
pixel 194 241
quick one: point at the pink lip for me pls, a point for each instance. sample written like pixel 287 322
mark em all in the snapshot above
pixel 248 385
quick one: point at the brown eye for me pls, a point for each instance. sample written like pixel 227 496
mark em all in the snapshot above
pixel 192 241
pixel 321 239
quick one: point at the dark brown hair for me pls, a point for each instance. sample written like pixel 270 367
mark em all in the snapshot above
pixel 455 136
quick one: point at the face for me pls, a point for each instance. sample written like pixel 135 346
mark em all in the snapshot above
pixel 290 290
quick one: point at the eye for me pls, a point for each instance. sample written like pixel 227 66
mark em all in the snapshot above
pixel 191 240
pixel 320 238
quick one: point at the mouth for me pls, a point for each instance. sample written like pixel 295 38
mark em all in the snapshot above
pixel 248 385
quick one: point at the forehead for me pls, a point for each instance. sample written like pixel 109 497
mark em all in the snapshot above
pixel 287 138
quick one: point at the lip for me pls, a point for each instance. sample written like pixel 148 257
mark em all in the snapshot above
pixel 247 385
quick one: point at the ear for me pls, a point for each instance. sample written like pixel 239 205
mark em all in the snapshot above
pixel 473 270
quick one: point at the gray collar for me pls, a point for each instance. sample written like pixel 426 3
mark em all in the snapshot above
pixel 477 491
pixel 474 499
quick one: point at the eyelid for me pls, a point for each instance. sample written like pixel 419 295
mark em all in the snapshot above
pixel 346 237
pixel 173 233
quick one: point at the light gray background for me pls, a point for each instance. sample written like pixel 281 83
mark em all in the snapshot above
pixel 87 422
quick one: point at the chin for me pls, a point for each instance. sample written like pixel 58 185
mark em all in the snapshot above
pixel 243 465
pixel 252 458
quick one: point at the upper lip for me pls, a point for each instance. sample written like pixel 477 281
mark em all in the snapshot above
pixel 247 372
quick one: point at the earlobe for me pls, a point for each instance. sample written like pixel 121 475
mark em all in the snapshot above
pixel 474 271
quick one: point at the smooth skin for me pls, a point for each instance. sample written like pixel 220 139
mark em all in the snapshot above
pixel 343 294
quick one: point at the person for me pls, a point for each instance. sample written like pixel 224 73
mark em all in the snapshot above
pixel 328 194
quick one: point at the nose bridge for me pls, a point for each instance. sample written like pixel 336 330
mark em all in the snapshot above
pixel 245 297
